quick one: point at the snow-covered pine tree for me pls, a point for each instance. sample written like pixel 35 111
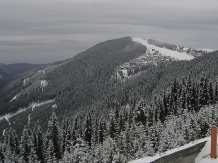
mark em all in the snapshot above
pixel 33 158
pixel 2 157
pixel 95 132
pixel 206 91
pixel 216 93
pixel 26 149
pixel 112 128
pixel 69 140
pixel 50 152
pixel 40 148
pixel 53 138
pixel 211 94
pixel 88 130
pixel 10 147
pixel 101 135
pixel 64 126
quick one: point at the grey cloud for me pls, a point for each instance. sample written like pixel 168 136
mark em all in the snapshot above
pixel 58 29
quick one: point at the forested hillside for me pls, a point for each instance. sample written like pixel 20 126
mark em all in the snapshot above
pixel 75 84
pixel 74 111
pixel 4 77
pixel 130 132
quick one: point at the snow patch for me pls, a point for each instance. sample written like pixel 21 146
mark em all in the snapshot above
pixel 44 83
pixel 166 52
pixel 7 119
pixel 25 81
pixel 37 104
pixel 125 73
pixel 158 156
pixel 54 106
pixel 29 118
pixel 14 98
pixel 204 155
pixel 32 106
pixel 3 133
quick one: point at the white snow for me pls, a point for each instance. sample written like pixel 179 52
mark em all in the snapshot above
pixel 151 159
pixel 204 155
pixel 44 83
pixel 14 98
pixel 125 73
pixel 29 118
pixel 164 51
pixel 32 105
pixel 25 80
pixel 37 104
pixel 7 119
pixel 54 106
pixel 3 133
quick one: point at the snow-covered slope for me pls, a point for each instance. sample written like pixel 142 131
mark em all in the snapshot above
pixel 166 52
pixel 154 56
pixel 204 155
pixel 151 159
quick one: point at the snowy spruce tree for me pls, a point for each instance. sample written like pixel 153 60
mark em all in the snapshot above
pixel 53 139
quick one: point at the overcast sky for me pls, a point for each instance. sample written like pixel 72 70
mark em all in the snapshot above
pixel 44 31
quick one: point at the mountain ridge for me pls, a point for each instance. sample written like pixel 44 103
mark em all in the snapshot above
pixel 85 77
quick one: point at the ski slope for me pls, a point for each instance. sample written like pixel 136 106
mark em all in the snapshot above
pixel 164 51
pixel 158 156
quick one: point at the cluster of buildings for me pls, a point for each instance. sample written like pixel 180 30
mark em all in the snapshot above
pixel 152 57
pixel 194 53
pixel 142 63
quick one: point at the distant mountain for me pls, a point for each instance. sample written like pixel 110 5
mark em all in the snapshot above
pixel 4 77
pixel 11 70
pixel 19 68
